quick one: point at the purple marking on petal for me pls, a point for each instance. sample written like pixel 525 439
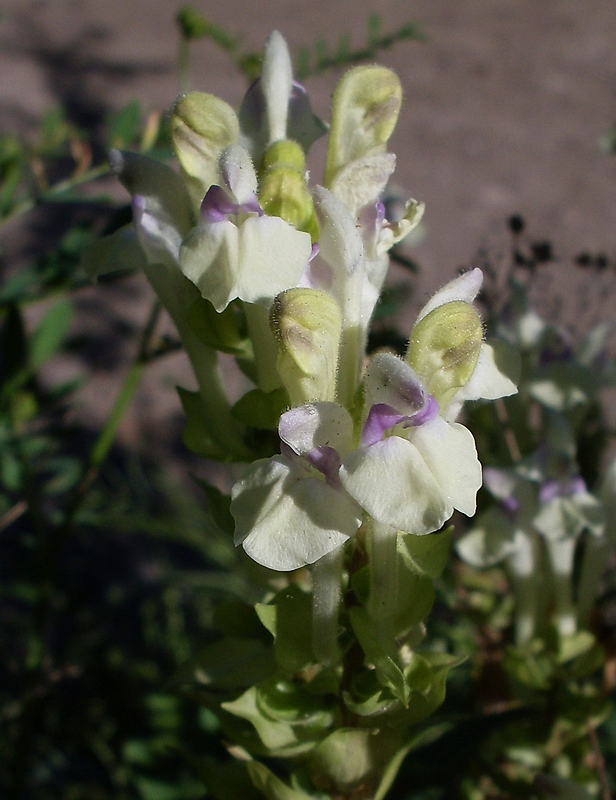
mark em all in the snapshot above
pixel 217 204
pixel 251 206
pixel 429 412
pixel 370 220
pixel 314 251
pixel 412 393
pixel 549 490
pixel 327 461
pixel 138 206
pixel 561 352
pixel 565 488
pixel 510 505
pixel 381 418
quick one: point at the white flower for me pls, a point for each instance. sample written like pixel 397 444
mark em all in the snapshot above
pixel 291 510
pixel 236 251
pixel 412 467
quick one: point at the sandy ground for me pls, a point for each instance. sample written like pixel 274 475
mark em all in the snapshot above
pixel 506 104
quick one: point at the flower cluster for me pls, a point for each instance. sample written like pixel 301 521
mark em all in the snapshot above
pixel 304 269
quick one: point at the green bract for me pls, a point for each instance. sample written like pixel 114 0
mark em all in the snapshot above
pixel 444 348
pixel 307 325
pixel 202 125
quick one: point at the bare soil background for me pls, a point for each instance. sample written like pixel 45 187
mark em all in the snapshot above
pixel 505 106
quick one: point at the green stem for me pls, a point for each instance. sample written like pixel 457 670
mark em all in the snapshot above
pixel 561 555
pixel 326 588
pixel 594 563
pixel 383 599
pixel 177 294
pixel 265 347
pixel 523 568
pixel 57 189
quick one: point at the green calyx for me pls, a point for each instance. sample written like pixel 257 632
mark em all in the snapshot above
pixel 282 186
pixel 444 349
pixel 307 325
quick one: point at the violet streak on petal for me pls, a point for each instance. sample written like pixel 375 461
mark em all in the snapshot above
pixel 217 205
pixel 510 505
pixel 138 204
pixel 327 461
pixel 566 488
pixel 381 418
pixel 429 412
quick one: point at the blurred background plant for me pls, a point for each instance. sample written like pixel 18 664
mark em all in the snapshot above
pixel 117 576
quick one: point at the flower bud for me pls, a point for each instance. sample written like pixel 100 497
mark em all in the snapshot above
pixel 201 127
pixel 307 324
pixel 365 110
pixel 444 349
pixel 282 186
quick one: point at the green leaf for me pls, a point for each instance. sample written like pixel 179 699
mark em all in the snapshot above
pixel 570 647
pixel 116 252
pixel 124 125
pixel 219 505
pixel 530 664
pixel 426 676
pixel 152 789
pixel 238 619
pixel 280 738
pixel 234 663
pixel 291 624
pixel 287 701
pixel 271 786
pixel 227 781
pixel 425 737
pixel 50 333
pixel 197 436
pixel 219 330
pixel 347 757
pixel 426 554
pixel 261 409
pixel 366 697
pixel 383 658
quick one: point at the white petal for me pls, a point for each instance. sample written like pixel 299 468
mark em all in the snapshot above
pixel 392 482
pixel 238 172
pixel 285 520
pixel 273 256
pixel 390 380
pixel 487 381
pixel 361 181
pixel 209 257
pixel 466 288
pixel 340 242
pixel 317 425
pixel 276 84
pixel 162 189
pixel 449 451
pixel 490 540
